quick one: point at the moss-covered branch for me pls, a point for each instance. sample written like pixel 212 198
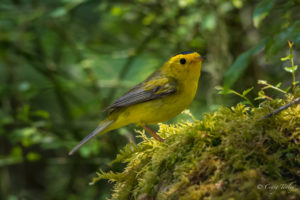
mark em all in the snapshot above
pixel 231 153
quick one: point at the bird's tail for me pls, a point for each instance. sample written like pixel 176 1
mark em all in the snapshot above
pixel 100 128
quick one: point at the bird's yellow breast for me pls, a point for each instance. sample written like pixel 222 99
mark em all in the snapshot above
pixel 159 110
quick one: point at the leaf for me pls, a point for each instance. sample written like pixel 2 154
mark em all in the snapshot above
pixel 288 69
pixel 237 68
pixel 262 82
pixel 245 92
pixel 262 11
pixel 259 98
pixel 261 93
pixel 295 67
pixel 287 89
pixel 290 44
pixel 278 85
pixel 286 58
pixel 291 69
pixel 222 90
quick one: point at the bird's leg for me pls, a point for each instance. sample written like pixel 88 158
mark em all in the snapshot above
pixel 152 133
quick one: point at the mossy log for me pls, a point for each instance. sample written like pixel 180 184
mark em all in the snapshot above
pixel 229 154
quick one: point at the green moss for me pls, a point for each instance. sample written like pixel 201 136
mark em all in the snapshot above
pixel 229 154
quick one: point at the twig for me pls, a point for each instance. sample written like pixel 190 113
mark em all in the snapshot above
pixel 280 109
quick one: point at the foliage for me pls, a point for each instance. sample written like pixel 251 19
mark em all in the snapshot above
pixel 236 153
pixel 62 61
pixel 231 153
pixel 230 91
pixel 292 69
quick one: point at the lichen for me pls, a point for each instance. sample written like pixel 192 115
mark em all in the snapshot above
pixel 229 154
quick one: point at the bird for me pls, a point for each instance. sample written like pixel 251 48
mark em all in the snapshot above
pixel 160 97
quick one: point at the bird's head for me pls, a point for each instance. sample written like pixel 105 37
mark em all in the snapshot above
pixel 184 65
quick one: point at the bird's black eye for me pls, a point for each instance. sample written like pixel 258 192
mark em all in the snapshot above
pixel 182 61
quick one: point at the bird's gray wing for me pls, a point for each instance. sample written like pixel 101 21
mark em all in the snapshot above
pixel 154 87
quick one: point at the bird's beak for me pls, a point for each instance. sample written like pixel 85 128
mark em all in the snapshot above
pixel 201 58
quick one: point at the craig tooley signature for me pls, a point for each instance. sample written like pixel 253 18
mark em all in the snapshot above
pixel 274 187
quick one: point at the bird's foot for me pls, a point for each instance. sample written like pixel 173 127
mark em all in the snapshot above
pixel 152 133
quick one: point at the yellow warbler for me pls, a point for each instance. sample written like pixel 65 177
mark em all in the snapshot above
pixel 162 96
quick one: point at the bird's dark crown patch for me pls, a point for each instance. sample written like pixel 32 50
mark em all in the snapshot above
pixel 186 52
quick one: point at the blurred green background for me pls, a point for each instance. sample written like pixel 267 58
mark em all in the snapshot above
pixel 63 61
